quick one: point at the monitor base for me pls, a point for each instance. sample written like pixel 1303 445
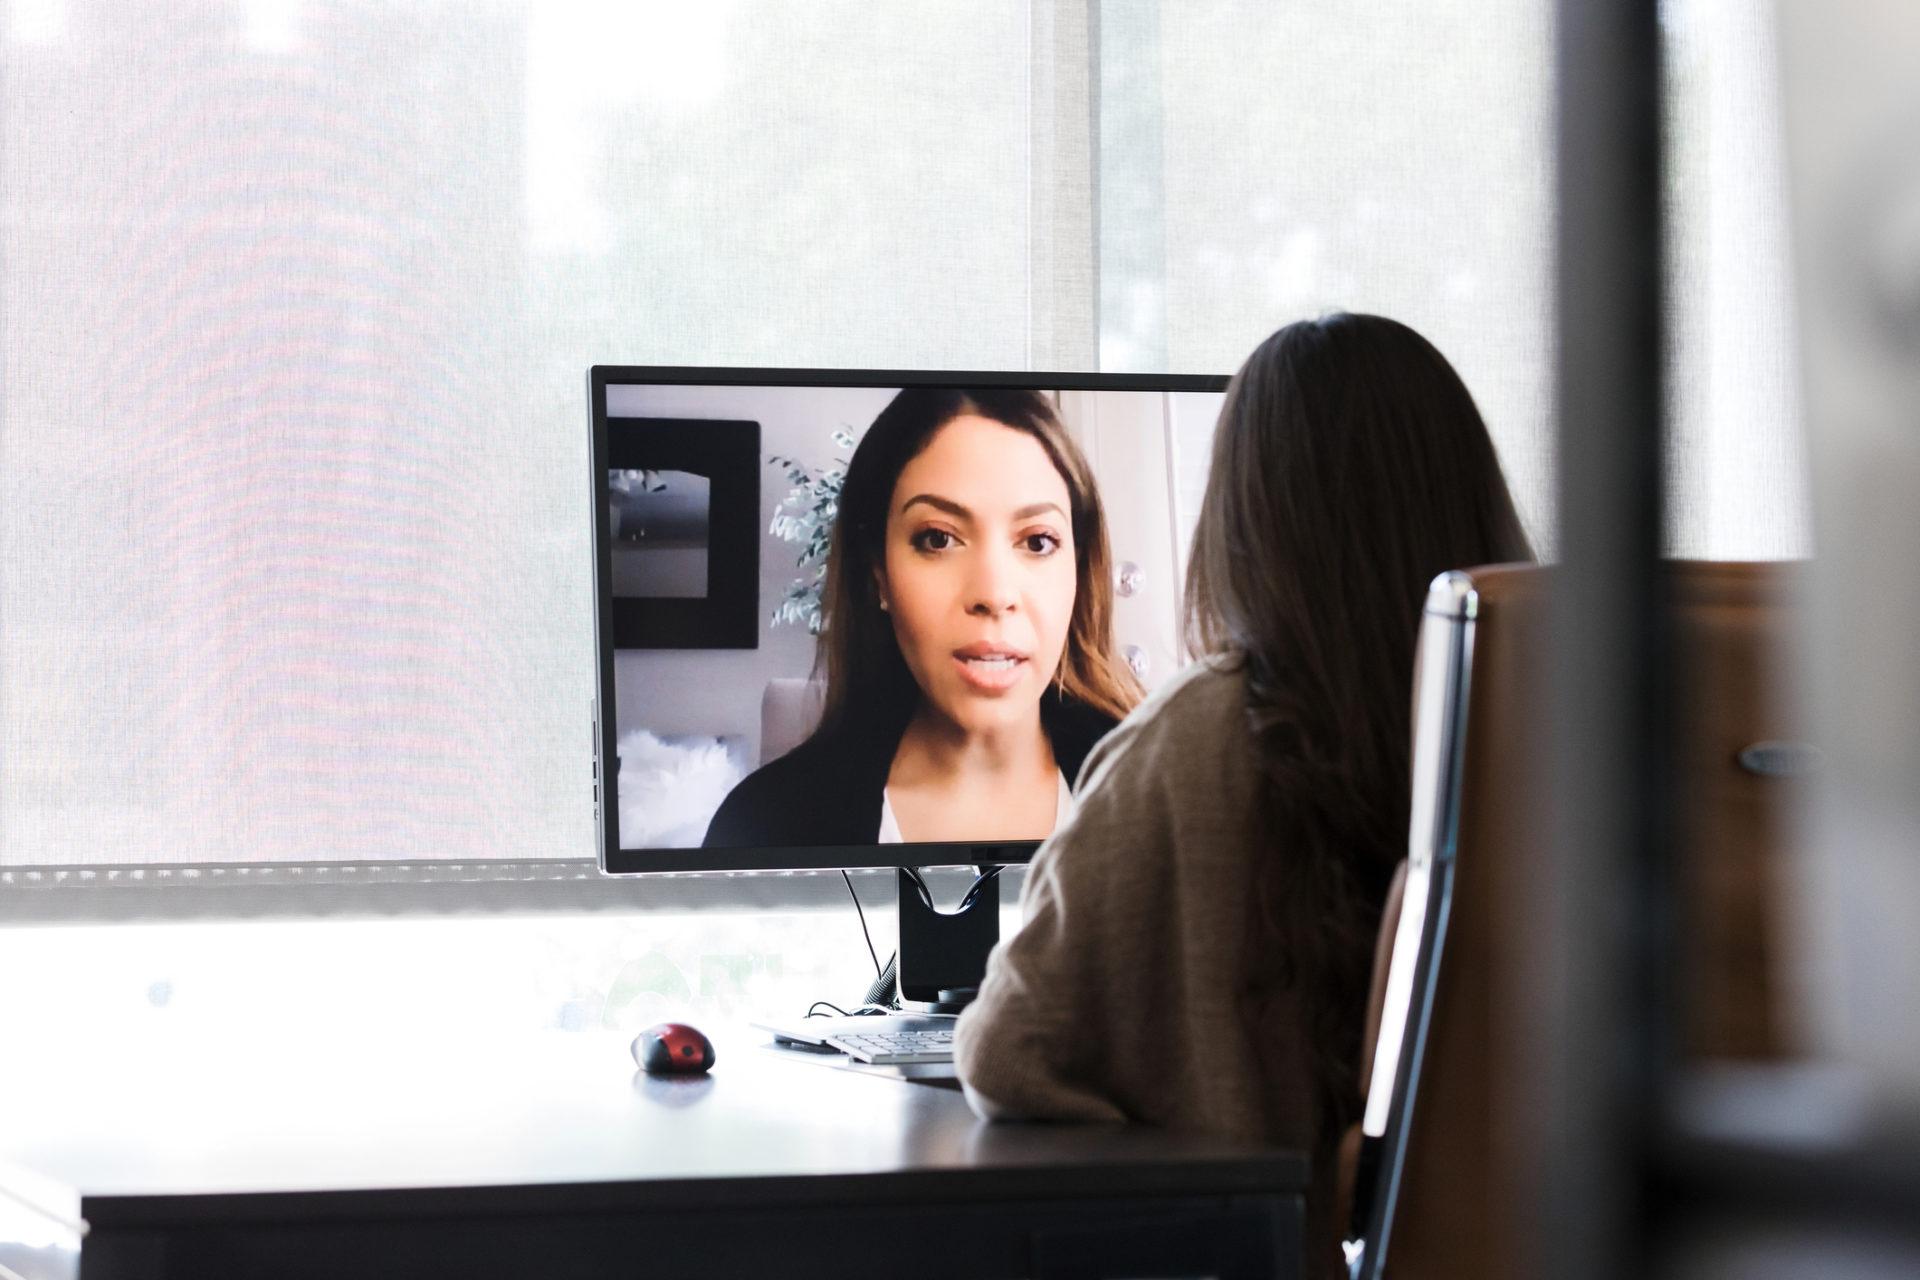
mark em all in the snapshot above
pixel 949 1001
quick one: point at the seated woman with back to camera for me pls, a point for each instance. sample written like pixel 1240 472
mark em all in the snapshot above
pixel 1198 940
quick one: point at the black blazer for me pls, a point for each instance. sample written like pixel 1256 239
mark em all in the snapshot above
pixel 828 790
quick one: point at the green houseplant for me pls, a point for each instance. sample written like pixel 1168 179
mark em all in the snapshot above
pixel 805 516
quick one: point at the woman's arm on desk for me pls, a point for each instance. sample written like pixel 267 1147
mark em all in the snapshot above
pixel 1029 1046
pixel 1126 994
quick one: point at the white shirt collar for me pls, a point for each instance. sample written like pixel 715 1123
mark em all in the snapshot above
pixel 890 825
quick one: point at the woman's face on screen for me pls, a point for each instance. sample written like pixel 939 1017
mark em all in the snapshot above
pixel 979 574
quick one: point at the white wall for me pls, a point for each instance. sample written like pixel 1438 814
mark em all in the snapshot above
pixel 1192 417
pixel 1133 442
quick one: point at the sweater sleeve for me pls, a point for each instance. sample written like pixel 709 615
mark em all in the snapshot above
pixel 1015 1047
pixel 1039 1041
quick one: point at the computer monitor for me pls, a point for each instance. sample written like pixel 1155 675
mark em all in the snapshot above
pixel 722 742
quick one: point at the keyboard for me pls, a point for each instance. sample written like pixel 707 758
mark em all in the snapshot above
pixel 894 1048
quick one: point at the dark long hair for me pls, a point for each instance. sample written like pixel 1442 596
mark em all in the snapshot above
pixel 1350 467
pixel 865 674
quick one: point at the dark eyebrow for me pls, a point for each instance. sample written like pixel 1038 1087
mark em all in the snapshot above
pixel 938 503
pixel 1039 508
pixel 959 512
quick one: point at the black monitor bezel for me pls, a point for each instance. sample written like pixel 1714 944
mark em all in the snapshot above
pixel 617 861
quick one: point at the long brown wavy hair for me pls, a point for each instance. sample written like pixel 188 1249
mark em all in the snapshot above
pixel 1350 467
pixel 857 652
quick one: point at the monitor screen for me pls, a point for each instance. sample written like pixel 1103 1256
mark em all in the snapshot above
pixel 834 607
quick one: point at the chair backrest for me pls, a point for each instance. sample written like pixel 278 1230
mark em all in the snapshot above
pixel 1447 1183
pixel 789 711
pixel 1407 969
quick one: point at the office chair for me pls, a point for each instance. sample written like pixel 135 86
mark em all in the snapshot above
pixel 1413 925
pixel 790 710
pixel 1436 1169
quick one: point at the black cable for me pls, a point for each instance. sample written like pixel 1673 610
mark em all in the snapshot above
pixel 864 1011
pixel 885 991
pixel 926 894
pixel 979 882
pixel 875 955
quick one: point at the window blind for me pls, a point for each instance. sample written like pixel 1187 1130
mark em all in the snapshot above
pixel 297 300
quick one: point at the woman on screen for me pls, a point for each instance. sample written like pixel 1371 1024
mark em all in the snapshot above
pixel 1199 939
pixel 968 647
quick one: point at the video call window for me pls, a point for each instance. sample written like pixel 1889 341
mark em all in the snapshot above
pixel 805 582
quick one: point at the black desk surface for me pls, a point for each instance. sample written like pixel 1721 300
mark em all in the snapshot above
pixel 161 1131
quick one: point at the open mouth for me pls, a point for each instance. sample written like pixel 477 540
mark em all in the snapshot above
pixel 1004 662
pixel 989 667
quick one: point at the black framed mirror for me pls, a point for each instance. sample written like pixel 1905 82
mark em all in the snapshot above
pixel 682 532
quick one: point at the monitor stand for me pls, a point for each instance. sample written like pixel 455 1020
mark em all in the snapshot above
pixel 943 954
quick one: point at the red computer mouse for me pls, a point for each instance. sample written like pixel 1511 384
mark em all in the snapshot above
pixel 672 1049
